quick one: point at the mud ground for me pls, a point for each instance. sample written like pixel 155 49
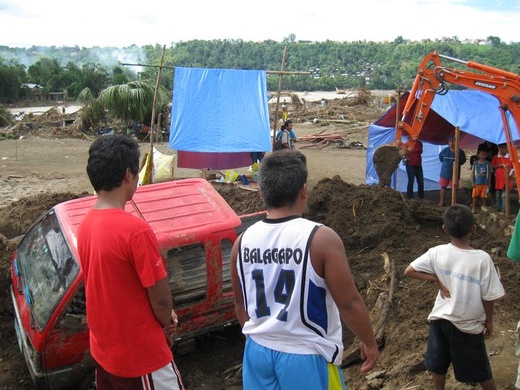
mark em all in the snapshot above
pixel 40 171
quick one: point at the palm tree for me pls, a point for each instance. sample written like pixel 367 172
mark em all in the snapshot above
pixel 132 101
pixel 92 112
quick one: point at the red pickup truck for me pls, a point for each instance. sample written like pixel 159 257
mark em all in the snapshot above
pixel 195 228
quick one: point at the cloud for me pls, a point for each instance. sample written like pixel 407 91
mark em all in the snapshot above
pixel 109 23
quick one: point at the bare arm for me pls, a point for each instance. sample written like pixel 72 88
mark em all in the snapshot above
pixel 488 309
pixel 330 262
pixel 412 273
pixel 161 301
pixel 237 289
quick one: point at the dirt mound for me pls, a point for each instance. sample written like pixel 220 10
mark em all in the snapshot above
pixel 16 219
pixel 370 220
pixel 243 202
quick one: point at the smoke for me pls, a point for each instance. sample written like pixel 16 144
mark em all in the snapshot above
pixel 108 57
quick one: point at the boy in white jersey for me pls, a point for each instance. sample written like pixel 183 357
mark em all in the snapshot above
pixel 462 316
pixel 292 287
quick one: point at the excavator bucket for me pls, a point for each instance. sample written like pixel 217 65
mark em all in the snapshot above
pixel 386 160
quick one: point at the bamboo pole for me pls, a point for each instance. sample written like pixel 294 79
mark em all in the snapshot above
pixel 455 175
pixel 154 104
pixel 149 166
pixel 275 119
pixel 507 206
pixel 396 127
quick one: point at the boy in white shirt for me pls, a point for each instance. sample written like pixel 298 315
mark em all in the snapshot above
pixel 462 316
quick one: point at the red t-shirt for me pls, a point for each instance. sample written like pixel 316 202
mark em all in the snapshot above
pixel 120 258
pixel 414 157
pixel 500 172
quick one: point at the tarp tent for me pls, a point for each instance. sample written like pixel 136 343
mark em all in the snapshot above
pixel 219 116
pixel 476 113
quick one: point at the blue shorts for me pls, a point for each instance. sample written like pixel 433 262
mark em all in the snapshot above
pixel 267 369
pixel 466 352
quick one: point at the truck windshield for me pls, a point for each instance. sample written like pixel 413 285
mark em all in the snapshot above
pixel 47 267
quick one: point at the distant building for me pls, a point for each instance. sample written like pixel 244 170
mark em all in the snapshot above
pixel 36 93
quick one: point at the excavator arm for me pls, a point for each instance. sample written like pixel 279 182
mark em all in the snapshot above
pixel 431 80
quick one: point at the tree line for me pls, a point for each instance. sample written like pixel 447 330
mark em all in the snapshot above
pixel 322 66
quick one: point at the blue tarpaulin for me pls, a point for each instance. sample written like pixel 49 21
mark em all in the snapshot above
pixel 476 113
pixel 219 111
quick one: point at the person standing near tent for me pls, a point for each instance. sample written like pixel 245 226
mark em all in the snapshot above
pixel 287 125
pixel 491 150
pixel 502 165
pixel 480 179
pixel 292 287
pixel 129 304
pixel 414 170
pixel 286 139
pixel 447 159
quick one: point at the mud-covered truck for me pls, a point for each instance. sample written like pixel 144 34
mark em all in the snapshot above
pixel 195 228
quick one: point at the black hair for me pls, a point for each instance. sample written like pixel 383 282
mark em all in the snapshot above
pixel 458 220
pixel 282 175
pixel 109 158
pixel 287 123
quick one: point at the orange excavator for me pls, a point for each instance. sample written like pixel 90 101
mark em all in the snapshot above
pixel 432 79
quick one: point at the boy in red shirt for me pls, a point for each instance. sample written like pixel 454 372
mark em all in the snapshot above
pixel 502 165
pixel 129 304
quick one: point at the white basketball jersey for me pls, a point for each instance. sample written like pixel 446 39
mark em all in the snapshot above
pixel 289 305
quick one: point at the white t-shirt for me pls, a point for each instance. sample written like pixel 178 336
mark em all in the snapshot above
pixel 470 276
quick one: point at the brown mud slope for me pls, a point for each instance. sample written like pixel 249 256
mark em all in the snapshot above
pixel 371 220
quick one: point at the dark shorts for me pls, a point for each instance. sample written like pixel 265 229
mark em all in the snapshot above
pixel 466 352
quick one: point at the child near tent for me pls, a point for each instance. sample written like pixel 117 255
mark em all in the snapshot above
pixel 480 179
pixel 502 165
pixel 447 159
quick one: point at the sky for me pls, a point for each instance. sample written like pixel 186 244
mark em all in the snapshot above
pixel 116 23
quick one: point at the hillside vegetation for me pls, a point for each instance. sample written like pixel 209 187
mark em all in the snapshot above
pixel 315 66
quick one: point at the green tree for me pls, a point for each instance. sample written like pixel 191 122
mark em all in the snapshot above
pixel 495 41
pixel 118 76
pixel 95 77
pixel 11 76
pixel 92 112
pixel 132 101
pixel 46 72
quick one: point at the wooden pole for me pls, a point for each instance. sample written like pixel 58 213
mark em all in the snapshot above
pixel 396 127
pixel 455 175
pixel 507 206
pixel 275 120
pixel 154 104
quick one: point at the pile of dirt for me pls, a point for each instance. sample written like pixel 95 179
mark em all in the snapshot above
pixel 370 220
pixel 16 220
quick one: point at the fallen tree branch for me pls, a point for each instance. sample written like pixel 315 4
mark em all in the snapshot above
pixel 354 354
